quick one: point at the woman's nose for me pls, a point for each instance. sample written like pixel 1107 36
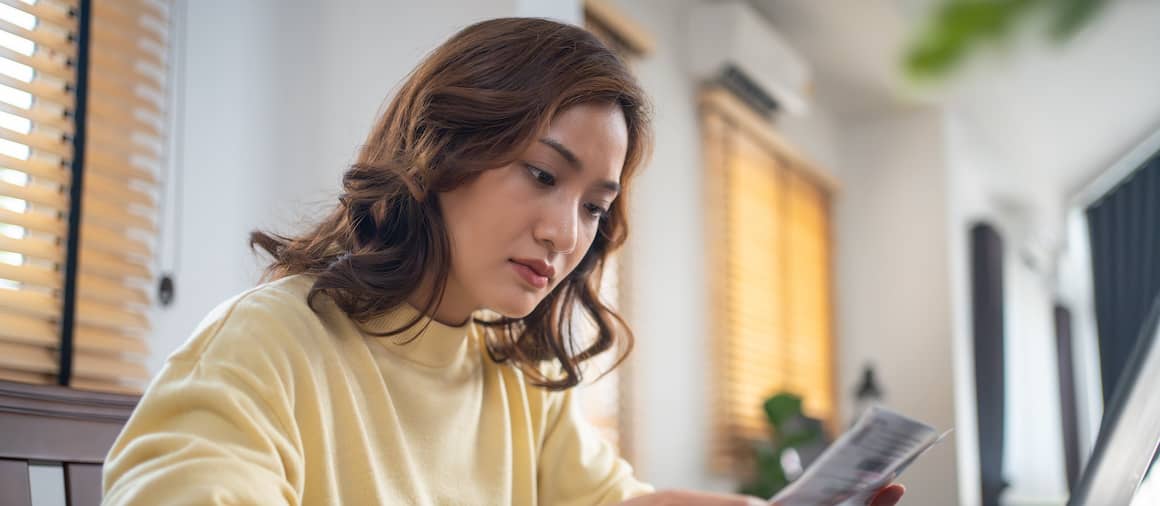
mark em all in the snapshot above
pixel 558 228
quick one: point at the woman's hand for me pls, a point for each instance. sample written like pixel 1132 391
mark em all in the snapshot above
pixel 888 496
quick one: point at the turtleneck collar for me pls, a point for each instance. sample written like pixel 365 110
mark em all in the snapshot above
pixel 427 343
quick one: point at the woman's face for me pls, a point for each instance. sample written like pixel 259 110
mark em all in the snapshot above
pixel 517 230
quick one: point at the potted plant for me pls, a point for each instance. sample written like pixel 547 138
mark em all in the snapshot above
pixel 796 440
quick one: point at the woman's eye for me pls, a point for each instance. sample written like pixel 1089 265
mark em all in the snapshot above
pixel 596 211
pixel 542 176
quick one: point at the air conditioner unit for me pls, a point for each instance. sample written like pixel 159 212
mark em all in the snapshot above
pixel 732 45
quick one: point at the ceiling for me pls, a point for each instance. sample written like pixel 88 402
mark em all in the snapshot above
pixel 853 47
pixel 1046 118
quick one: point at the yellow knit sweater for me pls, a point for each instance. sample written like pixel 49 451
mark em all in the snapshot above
pixel 272 403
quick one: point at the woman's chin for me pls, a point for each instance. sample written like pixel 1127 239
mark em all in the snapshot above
pixel 517 306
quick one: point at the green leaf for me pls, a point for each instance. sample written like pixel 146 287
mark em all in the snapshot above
pixel 782 407
pixel 959 28
pixel 1071 16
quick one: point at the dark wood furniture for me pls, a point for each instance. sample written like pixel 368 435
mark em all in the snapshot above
pixel 57 425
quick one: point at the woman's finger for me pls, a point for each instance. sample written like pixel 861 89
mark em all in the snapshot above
pixel 888 496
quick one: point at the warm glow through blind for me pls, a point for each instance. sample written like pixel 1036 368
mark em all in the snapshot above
pixel 123 156
pixel 124 150
pixel 36 107
pixel 770 256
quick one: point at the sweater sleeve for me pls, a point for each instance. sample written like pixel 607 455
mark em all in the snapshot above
pixel 579 467
pixel 216 425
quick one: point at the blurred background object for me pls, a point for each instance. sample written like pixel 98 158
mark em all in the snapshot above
pixel 868 392
pixel 961 193
pixel 959 27
pixel 797 440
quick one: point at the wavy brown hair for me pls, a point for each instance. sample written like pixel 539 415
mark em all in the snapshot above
pixel 474 104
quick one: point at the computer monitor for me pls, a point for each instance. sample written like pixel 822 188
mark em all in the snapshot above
pixel 1130 430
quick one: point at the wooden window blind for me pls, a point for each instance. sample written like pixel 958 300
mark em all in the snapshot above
pixel 769 235
pixel 49 106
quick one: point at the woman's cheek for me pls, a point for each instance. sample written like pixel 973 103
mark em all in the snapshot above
pixel 582 249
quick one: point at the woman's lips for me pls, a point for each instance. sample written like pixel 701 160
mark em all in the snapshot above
pixel 530 275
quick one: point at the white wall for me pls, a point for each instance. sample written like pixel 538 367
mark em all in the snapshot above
pixel 894 307
pixel 667 269
pixel 223 155
pixel 1034 434
pixel 278 97
pixel 568 11
pixel 816 136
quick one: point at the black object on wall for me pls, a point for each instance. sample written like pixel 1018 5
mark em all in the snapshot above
pixel 987 318
pixel 1069 414
pixel 1124 227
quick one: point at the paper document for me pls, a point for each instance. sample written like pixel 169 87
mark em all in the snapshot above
pixel 866 458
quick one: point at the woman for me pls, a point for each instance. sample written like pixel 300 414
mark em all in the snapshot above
pixel 362 373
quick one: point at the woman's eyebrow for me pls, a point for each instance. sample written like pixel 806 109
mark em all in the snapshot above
pixel 564 152
pixel 574 161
